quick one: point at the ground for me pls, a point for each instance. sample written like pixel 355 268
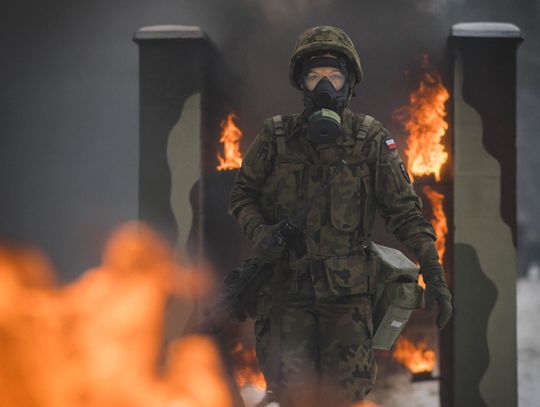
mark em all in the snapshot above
pixel 394 387
pixel 528 302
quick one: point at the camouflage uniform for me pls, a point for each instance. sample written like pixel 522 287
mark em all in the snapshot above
pixel 327 285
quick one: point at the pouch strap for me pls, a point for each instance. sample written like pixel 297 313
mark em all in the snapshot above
pixel 361 134
pixel 279 133
pixel 364 127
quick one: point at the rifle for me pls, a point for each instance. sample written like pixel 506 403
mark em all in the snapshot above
pixel 238 300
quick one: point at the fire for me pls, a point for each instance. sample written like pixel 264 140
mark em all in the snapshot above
pixel 97 341
pixel 421 281
pixel 439 219
pixel 424 120
pixel 439 222
pixel 230 137
pixel 417 358
pixel 246 371
pixel 365 403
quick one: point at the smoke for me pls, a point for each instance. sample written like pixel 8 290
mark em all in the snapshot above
pixel 69 95
pixel 258 36
pixel 430 6
pixel 281 12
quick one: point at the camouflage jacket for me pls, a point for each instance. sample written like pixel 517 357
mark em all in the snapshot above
pixel 279 174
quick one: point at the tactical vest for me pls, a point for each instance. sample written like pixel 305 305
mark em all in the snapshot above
pixel 337 230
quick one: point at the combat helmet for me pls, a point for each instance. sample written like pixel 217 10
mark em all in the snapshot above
pixel 324 38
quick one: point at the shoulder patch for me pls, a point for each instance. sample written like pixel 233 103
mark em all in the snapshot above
pixel 390 144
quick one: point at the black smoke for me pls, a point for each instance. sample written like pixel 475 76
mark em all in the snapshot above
pixel 69 95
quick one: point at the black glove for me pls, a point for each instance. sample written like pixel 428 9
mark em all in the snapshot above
pixel 268 248
pixel 437 290
pixel 423 247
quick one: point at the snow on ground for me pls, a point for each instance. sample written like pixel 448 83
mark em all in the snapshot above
pixel 528 339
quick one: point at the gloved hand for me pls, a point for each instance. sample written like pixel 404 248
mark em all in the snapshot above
pixel 437 290
pixel 267 248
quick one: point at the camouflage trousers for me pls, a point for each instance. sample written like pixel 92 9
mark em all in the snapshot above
pixel 326 356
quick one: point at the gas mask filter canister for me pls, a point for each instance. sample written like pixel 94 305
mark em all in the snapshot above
pixel 324 127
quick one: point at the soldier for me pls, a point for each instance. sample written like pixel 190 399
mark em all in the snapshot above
pixel 314 325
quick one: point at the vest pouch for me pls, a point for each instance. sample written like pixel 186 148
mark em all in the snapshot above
pixel 346 199
pixel 393 310
pixel 348 275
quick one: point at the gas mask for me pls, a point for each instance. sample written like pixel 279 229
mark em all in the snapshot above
pixel 325 97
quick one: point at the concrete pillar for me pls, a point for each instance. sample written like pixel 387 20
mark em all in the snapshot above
pixel 185 93
pixel 183 99
pixel 480 366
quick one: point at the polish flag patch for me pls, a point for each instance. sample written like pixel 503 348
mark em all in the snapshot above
pixel 391 144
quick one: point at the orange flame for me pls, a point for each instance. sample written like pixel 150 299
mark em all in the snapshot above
pixel 439 219
pixel 417 358
pixel 97 341
pixel 246 371
pixel 421 281
pixel 365 403
pixel 230 137
pixel 424 120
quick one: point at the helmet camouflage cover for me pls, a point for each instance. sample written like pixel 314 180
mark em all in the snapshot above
pixel 324 38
